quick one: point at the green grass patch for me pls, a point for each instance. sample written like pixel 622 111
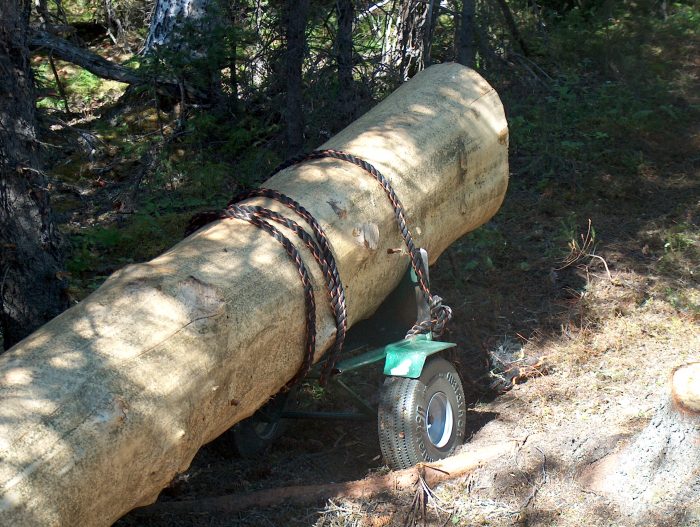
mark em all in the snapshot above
pixel 100 250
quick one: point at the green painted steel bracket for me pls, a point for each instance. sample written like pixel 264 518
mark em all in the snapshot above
pixel 359 361
pixel 406 358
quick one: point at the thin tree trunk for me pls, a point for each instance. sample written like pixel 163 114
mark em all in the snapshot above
pixel 169 20
pixel 233 72
pixel 346 14
pixel 390 39
pixel 233 55
pixel 112 21
pixel 433 13
pixel 186 29
pixel 512 26
pixel 30 260
pixel 466 53
pixel 42 9
pixel 413 19
pixel 295 21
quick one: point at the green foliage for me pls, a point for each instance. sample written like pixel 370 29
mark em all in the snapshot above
pixel 480 248
pixel 681 253
pixel 100 250
pixel 85 85
pixel 613 90
pixel 214 157
pixel 679 239
pixel 81 87
pixel 684 301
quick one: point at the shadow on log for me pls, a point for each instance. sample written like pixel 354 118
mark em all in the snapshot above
pixel 102 406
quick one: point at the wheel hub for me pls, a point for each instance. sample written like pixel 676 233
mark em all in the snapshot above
pixel 439 418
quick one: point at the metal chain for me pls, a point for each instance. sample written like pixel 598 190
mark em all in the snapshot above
pixel 320 249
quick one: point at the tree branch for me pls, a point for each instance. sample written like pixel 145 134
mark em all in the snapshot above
pixel 94 63
pixel 44 41
pixel 432 473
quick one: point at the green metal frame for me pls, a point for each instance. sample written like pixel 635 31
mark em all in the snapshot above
pixel 404 358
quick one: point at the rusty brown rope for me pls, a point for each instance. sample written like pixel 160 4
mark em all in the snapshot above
pixel 440 314
pixel 320 249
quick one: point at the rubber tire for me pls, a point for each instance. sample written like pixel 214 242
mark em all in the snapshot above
pixel 403 433
pixel 253 436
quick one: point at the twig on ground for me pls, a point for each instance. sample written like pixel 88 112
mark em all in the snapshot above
pixel 536 486
pixel 371 486
pixel 586 249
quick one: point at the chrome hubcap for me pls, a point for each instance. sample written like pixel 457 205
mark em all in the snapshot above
pixel 440 420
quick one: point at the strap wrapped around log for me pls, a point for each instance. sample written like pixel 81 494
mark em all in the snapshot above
pixel 103 405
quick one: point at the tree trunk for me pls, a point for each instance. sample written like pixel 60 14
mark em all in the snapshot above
pixel 512 26
pixel 233 22
pixel 296 13
pixel 42 10
pixel 105 404
pixel 184 33
pixel 432 18
pixel 171 22
pixel 115 29
pixel 413 19
pixel 466 53
pixel 346 88
pixel 655 477
pixel 30 260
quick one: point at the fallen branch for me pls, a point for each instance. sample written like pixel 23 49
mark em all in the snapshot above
pixel 97 65
pixel 431 473
pixel 94 63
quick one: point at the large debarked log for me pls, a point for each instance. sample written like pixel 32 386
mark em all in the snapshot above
pixel 102 406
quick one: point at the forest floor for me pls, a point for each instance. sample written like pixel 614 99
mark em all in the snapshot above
pixel 587 280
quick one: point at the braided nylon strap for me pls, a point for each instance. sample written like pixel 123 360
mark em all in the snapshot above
pixel 440 314
pixel 320 249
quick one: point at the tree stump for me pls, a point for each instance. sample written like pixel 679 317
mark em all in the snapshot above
pixel 656 479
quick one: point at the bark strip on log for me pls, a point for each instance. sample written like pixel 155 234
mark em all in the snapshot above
pixel 104 405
